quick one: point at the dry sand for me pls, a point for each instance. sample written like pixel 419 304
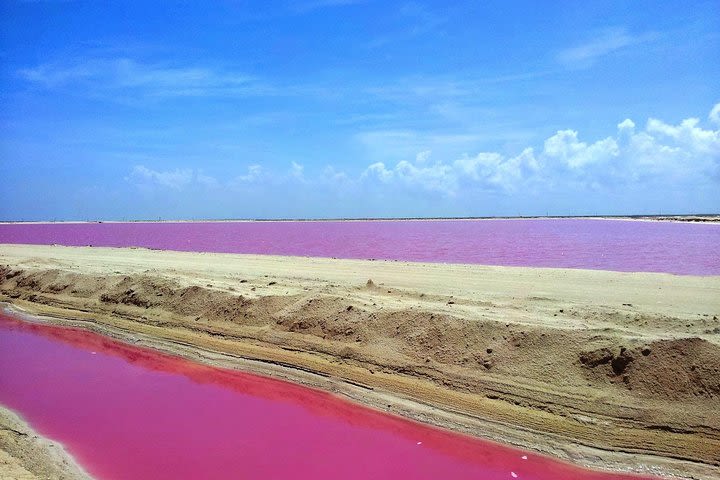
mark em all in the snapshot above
pixel 610 370
pixel 24 455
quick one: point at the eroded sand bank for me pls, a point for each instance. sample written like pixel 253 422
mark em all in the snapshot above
pixel 25 455
pixel 611 370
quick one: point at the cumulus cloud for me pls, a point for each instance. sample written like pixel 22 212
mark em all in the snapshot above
pixel 486 170
pixel 253 173
pixel 714 115
pixel 626 125
pixel 423 156
pixel 436 177
pixel 479 167
pixel 206 180
pixel 688 136
pixel 379 171
pixel 632 156
pixel 495 171
pixel 174 179
pixel 660 150
pixel 182 178
pixel 566 148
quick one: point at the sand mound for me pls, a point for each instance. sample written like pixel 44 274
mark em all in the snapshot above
pixel 664 369
pixel 419 341
pixel 582 365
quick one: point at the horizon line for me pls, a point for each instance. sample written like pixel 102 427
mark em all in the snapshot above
pixel 676 216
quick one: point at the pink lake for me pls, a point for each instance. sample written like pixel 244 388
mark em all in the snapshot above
pixel 620 245
pixel 129 413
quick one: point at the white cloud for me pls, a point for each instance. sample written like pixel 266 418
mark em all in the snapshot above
pixel 379 171
pixel 486 170
pixel 253 173
pixel 333 176
pixel 297 170
pixel 509 173
pixel 182 178
pixel 683 152
pixel 124 75
pixel 422 157
pixel 479 167
pixel 565 147
pixel 607 42
pixel 686 152
pixel 206 180
pixel 437 177
pixel 626 125
pixel 174 179
pixel 714 114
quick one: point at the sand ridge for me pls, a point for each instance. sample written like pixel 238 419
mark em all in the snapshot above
pixel 25 455
pixel 622 363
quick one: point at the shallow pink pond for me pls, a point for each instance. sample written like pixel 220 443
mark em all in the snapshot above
pixel 131 413
pixel 629 246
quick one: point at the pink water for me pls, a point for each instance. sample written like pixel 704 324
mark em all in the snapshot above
pixel 673 247
pixel 130 413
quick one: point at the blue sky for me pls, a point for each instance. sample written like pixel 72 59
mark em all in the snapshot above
pixel 348 108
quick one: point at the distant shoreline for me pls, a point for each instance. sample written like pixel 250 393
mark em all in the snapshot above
pixel 695 218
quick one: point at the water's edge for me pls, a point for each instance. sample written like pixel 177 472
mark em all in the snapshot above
pixel 589 457
pixel 30 452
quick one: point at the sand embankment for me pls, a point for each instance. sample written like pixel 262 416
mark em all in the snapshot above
pixel 25 455
pixel 607 369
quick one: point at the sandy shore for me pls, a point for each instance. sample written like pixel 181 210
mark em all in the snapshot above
pixel 610 370
pixel 25 455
